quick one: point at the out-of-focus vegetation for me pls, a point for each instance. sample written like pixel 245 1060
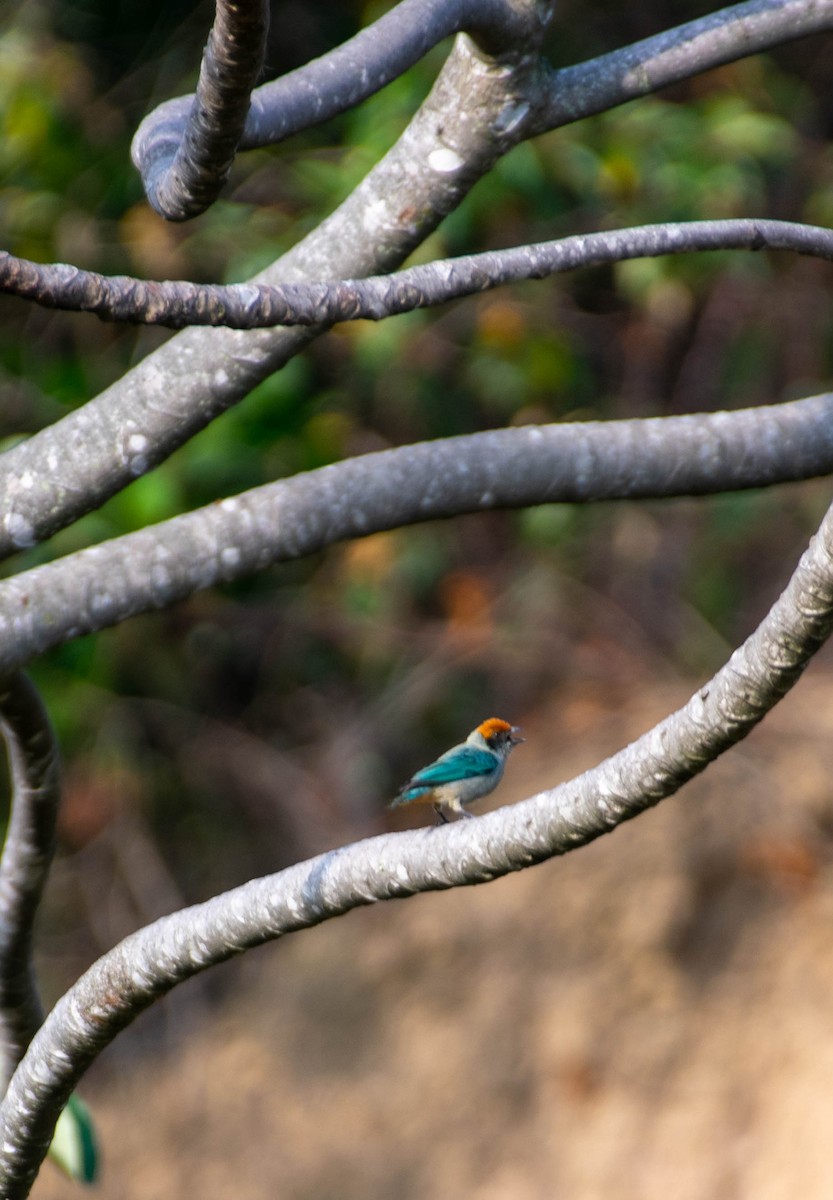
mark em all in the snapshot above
pixel 257 723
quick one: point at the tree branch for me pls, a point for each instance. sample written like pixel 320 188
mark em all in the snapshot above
pixel 150 962
pixel 511 468
pixel 184 164
pixel 677 54
pixel 24 865
pixel 245 306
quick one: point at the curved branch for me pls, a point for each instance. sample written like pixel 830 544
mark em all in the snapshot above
pixel 184 164
pixel 247 306
pixel 677 54
pixel 314 93
pixel 463 127
pixel 146 965
pixel 24 865
pixel 511 468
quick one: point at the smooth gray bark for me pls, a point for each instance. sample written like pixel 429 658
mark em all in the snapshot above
pixel 510 468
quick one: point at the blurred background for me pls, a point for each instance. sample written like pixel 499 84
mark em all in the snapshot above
pixel 647 1017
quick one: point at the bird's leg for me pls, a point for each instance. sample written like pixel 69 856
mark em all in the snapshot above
pixel 456 807
pixel 442 819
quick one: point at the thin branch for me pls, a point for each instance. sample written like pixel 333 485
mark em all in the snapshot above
pixel 321 89
pixel 146 965
pixel 185 164
pixel 511 468
pixel 246 306
pixel 677 54
pixel 24 865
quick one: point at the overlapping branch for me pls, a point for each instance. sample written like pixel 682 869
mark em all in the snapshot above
pixel 184 160
pixel 476 112
pixel 35 514
pixel 172 141
pixel 150 962
pixel 457 135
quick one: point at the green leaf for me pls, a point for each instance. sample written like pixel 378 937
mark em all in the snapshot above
pixel 74 1147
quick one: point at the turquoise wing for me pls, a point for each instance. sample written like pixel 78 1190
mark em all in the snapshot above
pixel 458 764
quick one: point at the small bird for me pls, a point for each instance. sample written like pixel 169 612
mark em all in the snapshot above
pixel 465 772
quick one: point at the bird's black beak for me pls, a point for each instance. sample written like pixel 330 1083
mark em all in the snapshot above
pixel 514 736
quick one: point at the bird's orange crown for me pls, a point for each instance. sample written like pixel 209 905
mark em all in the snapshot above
pixel 494 725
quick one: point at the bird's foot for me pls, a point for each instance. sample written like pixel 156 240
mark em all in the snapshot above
pixel 459 813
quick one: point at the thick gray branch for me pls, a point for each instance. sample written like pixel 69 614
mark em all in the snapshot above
pixel 677 54
pixel 511 468
pixel 27 854
pixel 149 963
pixel 246 306
pixel 185 164
pixel 468 121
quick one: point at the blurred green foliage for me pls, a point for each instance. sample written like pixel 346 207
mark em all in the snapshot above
pixel 270 718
